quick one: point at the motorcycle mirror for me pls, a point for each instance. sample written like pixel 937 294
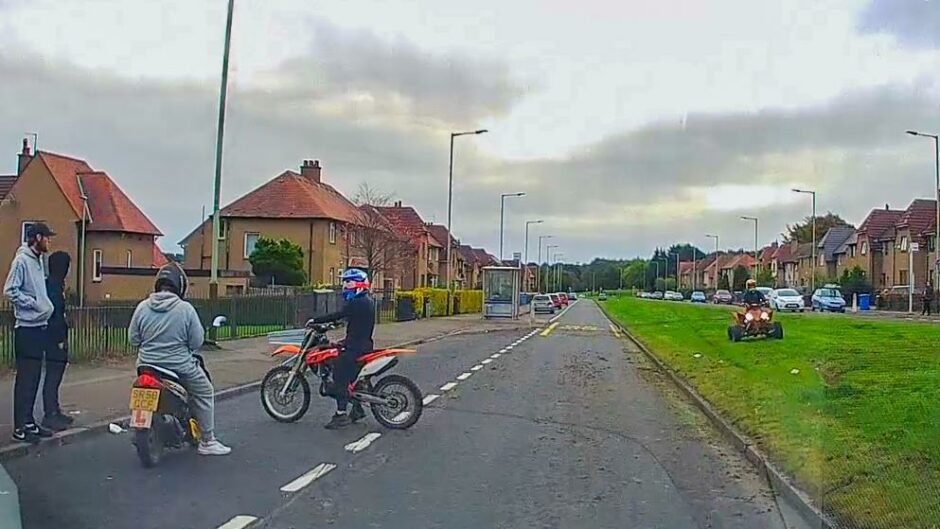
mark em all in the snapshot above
pixel 219 321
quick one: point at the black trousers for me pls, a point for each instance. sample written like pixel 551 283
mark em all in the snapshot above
pixel 31 346
pixel 926 307
pixel 345 370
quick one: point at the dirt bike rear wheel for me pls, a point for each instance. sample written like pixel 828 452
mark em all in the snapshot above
pixel 407 400
pixel 149 446
pixel 280 408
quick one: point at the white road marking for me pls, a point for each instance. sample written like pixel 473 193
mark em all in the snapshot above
pixel 504 350
pixel 494 356
pixel 318 471
pixel 402 417
pixel 509 348
pixel 362 444
pixel 487 361
pixel 239 522
pixel 476 367
pixel 448 386
pixel 464 376
pixel 429 399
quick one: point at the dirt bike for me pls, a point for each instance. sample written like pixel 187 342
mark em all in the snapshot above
pixel 161 418
pixel 395 400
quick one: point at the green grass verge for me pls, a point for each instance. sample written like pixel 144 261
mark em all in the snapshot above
pixel 858 427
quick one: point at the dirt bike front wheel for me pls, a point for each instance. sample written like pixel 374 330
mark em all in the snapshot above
pixel 404 402
pixel 285 405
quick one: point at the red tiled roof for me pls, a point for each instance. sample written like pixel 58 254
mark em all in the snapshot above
pixel 405 220
pixel 482 257
pixel 685 267
pixel 110 209
pixel 880 221
pixel 468 254
pixel 440 233
pixel 919 216
pixel 292 196
pixel 159 259
pixel 785 253
pixel 743 259
pixel 768 253
pixel 706 262
pixel 6 184
pixel 804 251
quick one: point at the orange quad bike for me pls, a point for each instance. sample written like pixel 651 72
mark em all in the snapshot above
pixel 754 321
pixel 395 400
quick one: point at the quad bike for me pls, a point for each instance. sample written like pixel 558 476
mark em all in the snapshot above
pixel 395 401
pixel 755 320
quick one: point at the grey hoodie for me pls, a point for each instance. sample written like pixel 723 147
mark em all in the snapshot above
pixel 26 288
pixel 166 331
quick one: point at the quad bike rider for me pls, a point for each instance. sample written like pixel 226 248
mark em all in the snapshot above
pixel 756 320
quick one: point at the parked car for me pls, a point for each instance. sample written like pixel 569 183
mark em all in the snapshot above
pixel 556 300
pixel 698 297
pixel 784 299
pixel 723 297
pixel 657 295
pixel 564 298
pixel 543 303
pixel 765 291
pixel 602 296
pixel 672 295
pixel 828 298
pixel 572 296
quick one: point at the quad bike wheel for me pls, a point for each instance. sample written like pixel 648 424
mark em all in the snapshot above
pixel 735 333
pixel 776 331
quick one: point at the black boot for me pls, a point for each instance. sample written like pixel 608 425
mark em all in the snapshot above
pixel 339 420
pixel 357 412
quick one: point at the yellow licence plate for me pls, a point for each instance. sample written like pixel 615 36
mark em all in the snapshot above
pixel 145 399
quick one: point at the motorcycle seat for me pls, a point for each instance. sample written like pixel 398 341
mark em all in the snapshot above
pixel 161 372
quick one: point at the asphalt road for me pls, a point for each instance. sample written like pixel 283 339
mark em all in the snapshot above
pixel 570 429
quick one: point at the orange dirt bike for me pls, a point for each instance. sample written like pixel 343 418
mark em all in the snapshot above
pixel 395 400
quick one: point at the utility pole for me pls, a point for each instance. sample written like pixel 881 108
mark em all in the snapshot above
pixel 217 187
pixel 813 250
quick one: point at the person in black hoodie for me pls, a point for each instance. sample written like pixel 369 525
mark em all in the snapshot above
pixel 57 354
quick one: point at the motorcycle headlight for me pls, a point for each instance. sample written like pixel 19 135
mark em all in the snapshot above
pixel 764 316
pixel 748 316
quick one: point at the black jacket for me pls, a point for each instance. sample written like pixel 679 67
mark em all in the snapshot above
pixel 754 297
pixel 359 314
pixel 55 286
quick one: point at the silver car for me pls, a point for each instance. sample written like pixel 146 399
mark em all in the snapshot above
pixel 543 303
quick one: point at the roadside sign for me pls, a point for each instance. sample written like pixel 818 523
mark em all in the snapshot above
pixel 915 247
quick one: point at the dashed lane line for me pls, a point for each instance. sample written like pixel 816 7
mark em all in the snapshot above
pixel 504 350
pixel 448 386
pixel 363 443
pixel 487 361
pixel 239 522
pixel 476 367
pixel 318 472
pixel 494 356
pixel 464 376
pixel 430 398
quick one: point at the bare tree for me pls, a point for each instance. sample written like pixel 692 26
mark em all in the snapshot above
pixel 374 239
pixel 367 195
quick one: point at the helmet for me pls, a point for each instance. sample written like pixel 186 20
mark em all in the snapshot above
pixel 171 277
pixel 355 283
pixel 751 284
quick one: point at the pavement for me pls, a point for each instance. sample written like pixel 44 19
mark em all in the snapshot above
pixel 92 393
pixel 565 425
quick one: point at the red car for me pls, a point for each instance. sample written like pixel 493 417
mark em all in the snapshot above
pixel 556 300
pixel 564 298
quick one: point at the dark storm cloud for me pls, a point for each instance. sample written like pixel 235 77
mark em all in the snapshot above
pixel 914 23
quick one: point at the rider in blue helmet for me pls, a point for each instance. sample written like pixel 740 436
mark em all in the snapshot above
pixel 359 313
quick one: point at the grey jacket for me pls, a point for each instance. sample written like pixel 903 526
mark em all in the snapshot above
pixel 26 288
pixel 166 331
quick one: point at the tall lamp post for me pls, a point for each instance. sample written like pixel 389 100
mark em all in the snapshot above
pixel 812 282
pixel 936 154
pixel 744 217
pixel 558 268
pixel 538 276
pixel 217 186
pixel 712 236
pixel 548 257
pixel 502 208
pixel 525 244
pixel 450 198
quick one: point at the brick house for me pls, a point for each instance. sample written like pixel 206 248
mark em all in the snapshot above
pixel 298 207
pixel 910 228
pixel 111 241
pixel 827 260
pixel 442 236
pixel 846 255
pixel 871 237
pixel 785 262
pixel 406 221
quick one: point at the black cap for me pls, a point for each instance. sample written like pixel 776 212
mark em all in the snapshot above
pixel 39 228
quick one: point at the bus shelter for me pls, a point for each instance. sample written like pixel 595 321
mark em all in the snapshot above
pixel 501 286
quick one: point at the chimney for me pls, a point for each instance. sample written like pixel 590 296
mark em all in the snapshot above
pixel 398 204
pixel 311 170
pixel 886 207
pixel 23 158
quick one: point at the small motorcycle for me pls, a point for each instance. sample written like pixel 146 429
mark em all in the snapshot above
pixel 395 400
pixel 161 418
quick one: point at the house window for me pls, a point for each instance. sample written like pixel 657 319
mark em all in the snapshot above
pixel 96 266
pixel 931 244
pixel 251 239
pixel 223 228
pixel 822 259
pixel 884 279
pixel 864 247
pixel 332 233
pixel 129 259
pixel 26 225
pixel 902 277
pixel 904 244
pixel 852 251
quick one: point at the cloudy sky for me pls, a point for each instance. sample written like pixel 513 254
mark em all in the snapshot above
pixel 630 124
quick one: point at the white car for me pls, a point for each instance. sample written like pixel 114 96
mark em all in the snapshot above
pixel 672 296
pixel 784 299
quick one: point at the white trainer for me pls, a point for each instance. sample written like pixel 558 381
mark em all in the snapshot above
pixel 213 448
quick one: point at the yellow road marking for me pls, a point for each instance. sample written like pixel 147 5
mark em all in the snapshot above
pixel 615 330
pixel 548 330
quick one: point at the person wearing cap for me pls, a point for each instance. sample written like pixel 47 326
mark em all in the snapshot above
pixel 26 289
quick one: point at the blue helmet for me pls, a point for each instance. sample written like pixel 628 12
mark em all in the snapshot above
pixel 355 283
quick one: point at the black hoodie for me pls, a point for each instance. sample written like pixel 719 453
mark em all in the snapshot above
pixel 55 287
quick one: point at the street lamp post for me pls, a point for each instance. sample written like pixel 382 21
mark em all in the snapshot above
pixel 217 187
pixel 557 279
pixel 744 217
pixel 812 282
pixel 525 251
pixel 450 199
pixel 711 236
pixel 936 153
pixel 538 276
pixel 502 208
pixel 548 257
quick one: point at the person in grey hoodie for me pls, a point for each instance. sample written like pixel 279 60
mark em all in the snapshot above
pixel 25 287
pixel 167 332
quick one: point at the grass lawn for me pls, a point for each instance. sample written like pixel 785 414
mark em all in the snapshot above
pixel 858 426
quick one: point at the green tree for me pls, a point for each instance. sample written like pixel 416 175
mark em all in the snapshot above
pixel 278 262
pixel 723 283
pixel 634 275
pixel 670 283
pixel 854 281
pixel 741 275
pixel 803 231
pixel 660 284
pixel 765 278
